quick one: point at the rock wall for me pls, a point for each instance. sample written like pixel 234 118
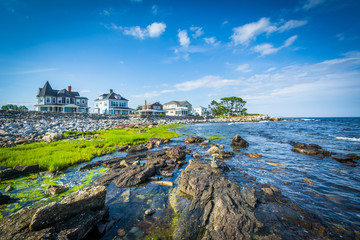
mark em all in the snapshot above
pixel 20 127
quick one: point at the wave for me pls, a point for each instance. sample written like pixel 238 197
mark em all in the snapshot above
pixel 353 139
pixel 310 119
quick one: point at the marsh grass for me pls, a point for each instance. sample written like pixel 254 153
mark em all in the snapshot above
pixel 62 154
pixel 216 137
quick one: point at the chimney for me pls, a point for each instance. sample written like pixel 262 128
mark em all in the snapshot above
pixel 69 88
pixel 145 105
pixel 110 91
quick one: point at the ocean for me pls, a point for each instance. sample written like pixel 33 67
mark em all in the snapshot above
pixel 326 188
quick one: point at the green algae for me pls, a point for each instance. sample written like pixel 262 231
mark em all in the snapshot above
pixel 30 190
pixel 216 137
pixel 62 154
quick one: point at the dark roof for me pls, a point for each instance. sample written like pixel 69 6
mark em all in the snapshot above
pixel 111 96
pixel 48 91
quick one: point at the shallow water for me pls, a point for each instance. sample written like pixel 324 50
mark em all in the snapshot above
pixel 326 188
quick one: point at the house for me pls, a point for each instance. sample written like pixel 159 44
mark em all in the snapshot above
pixel 112 103
pixel 63 100
pixel 151 109
pixel 177 108
pixel 200 111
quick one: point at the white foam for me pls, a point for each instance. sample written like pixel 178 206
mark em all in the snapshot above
pixel 349 139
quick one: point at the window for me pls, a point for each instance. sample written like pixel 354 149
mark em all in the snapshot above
pixel 83 101
pixel 47 100
pixel 54 100
pixel 67 100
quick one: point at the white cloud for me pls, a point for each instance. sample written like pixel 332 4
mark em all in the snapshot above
pixel 156 29
pixel 292 24
pixel 340 36
pixel 154 9
pixel 270 69
pixel 312 3
pixel 153 30
pixel 209 81
pixel 211 41
pixel 247 32
pixel 183 38
pixel 224 23
pixel 244 68
pixel 267 48
pixel 147 95
pixel 198 32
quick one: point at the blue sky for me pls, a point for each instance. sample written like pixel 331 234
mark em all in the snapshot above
pixel 285 58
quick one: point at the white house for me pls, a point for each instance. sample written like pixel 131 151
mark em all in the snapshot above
pixel 177 108
pixel 200 111
pixel 112 103
pixel 63 100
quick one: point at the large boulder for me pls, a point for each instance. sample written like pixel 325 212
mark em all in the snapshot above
pixel 71 218
pixel 219 209
pixel 175 153
pixel 52 137
pixel 86 199
pixel 309 149
pixel 238 142
pixel 194 139
pixel 136 149
pixel 9 173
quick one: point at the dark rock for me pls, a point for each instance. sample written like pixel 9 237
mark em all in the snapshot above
pixel 4 199
pixel 353 156
pixel 166 174
pixel 238 142
pixel 122 148
pixel 344 159
pixel 136 149
pixel 91 166
pixel 175 153
pixel 194 139
pixel 155 178
pixel 91 198
pixel 55 189
pixel 133 175
pixel 309 149
pixel 218 209
pixel 9 173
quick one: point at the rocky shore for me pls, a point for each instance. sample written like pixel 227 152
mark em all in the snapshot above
pixel 21 127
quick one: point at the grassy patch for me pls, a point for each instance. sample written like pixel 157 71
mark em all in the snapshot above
pixel 216 137
pixel 61 154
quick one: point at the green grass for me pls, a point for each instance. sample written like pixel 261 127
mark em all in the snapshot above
pixel 216 137
pixel 62 154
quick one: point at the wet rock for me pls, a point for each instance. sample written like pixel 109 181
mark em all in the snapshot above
pixel 63 223
pixel 254 155
pixel 165 183
pixel 238 142
pixel 166 174
pixel 91 198
pixel 4 199
pixel 136 149
pixel 194 139
pixel 196 155
pixel 309 149
pixel 55 189
pixel 133 175
pixel 150 212
pixel 345 159
pixel 217 210
pixel 176 153
pixel 91 166
pixel 9 173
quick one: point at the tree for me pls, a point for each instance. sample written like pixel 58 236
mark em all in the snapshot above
pixel 231 106
pixel 14 107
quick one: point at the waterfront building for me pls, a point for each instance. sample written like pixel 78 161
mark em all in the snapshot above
pixel 112 103
pixel 51 100
pixel 200 111
pixel 155 108
pixel 177 108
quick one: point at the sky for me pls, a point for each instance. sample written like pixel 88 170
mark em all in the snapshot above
pixel 298 58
